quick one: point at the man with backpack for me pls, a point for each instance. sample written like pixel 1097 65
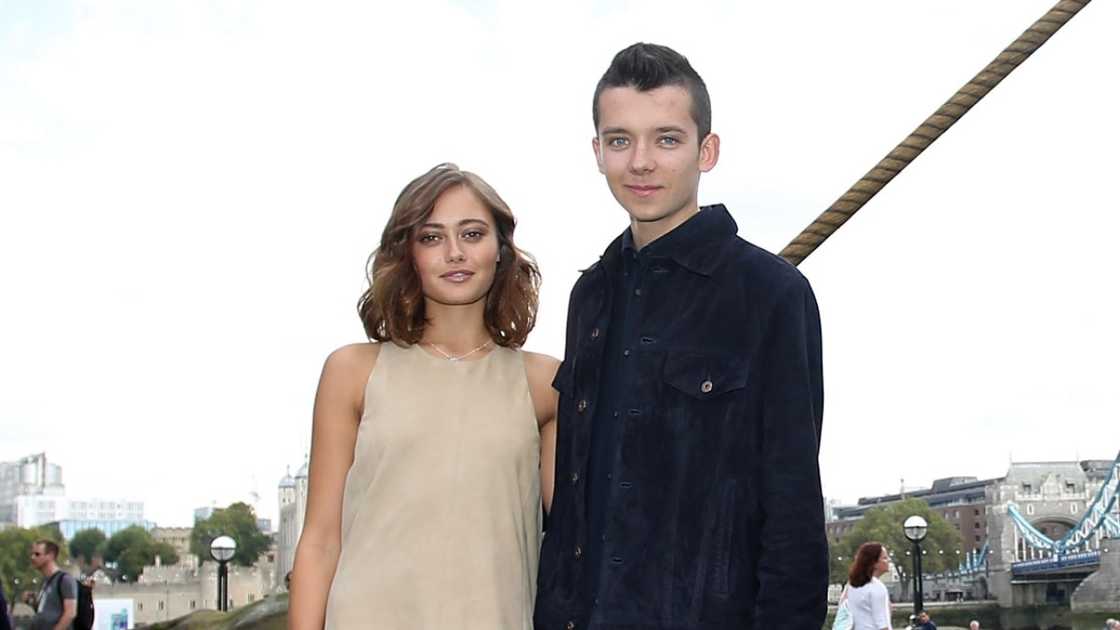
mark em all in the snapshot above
pixel 57 603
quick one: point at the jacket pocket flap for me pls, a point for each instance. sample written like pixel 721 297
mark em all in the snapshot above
pixel 705 376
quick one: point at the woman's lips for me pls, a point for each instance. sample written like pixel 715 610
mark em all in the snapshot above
pixel 457 276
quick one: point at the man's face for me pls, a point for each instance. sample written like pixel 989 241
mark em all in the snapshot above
pixel 39 557
pixel 923 617
pixel 647 147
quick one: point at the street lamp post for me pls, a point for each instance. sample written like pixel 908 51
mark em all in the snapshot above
pixel 222 549
pixel 915 528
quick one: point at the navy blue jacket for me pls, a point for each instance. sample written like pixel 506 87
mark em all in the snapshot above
pixel 5 620
pixel 718 496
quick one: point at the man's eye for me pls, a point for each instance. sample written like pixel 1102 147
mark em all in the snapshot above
pixel 616 142
pixel 670 140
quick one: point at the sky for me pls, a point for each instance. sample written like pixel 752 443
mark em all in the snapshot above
pixel 189 191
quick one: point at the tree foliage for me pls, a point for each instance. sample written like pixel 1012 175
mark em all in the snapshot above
pixel 941 547
pixel 238 521
pixel 87 544
pixel 133 548
pixel 16 571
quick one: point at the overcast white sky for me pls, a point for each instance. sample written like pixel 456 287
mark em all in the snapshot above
pixel 189 191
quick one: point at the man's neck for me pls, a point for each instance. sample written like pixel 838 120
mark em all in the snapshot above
pixel 49 569
pixel 646 232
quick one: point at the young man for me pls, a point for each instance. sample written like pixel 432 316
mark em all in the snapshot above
pixel 57 603
pixel 924 622
pixel 687 486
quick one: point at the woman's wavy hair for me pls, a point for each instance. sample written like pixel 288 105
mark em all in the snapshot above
pixel 864 563
pixel 392 308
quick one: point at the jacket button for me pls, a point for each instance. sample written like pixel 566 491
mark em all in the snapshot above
pixel 595 333
pixel 571 625
pixel 578 552
pixel 706 386
pixel 581 406
pixel 575 478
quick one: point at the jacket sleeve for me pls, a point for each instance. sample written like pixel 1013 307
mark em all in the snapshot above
pixel 793 561
pixel 5 621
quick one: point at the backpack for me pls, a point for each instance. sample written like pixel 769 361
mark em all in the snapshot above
pixel 83 620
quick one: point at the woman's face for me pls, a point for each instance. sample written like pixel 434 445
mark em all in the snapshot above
pixel 455 251
pixel 884 563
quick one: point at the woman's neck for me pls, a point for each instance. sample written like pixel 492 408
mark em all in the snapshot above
pixel 456 329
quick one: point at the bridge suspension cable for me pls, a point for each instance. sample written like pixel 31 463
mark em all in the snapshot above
pixel 919 140
pixel 975 560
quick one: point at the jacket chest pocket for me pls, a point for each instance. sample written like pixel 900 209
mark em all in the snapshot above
pixel 703 377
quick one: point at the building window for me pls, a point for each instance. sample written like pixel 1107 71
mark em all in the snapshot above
pixel 1030 508
pixel 192 604
pixel 976 526
pixel 139 605
pixel 977 539
pixel 976 512
pixel 1071 487
pixel 161 604
pixel 1073 508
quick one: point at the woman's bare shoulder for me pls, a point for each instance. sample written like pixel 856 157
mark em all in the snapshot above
pixel 541 368
pixel 352 362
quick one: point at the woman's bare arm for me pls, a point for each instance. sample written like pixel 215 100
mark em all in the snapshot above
pixel 338 409
pixel 541 369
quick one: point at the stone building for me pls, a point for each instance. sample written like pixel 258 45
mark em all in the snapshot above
pixel 292 495
pixel 167 592
pixel 180 539
pixel 1052 496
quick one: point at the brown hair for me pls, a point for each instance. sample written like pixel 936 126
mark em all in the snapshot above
pixel 392 308
pixel 866 557
pixel 49 546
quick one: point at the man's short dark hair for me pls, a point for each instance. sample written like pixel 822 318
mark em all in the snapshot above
pixel 646 67
pixel 49 546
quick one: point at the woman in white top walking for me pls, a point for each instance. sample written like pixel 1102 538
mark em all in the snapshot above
pixel 868 600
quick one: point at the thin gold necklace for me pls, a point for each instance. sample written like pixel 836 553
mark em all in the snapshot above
pixel 450 357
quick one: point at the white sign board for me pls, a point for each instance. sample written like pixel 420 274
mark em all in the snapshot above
pixel 112 614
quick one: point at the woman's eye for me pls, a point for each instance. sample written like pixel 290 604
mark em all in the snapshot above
pixel 428 238
pixel 473 235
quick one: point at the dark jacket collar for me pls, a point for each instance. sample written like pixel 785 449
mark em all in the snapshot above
pixel 690 244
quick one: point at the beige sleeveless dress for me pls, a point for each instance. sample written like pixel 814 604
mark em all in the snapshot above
pixel 441 511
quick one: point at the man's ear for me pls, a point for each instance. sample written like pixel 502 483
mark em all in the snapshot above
pixel 709 153
pixel 598 155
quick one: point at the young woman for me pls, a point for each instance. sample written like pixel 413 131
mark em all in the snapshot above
pixel 868 601
pixel 431 447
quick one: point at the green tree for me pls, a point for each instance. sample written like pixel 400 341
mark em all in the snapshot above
pixel 133 548
pixel 87 544
pixel 16 571
pixel 237 521
pixel 941 546
pixel 838 562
